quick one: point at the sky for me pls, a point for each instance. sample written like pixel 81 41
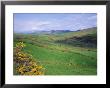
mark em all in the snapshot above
pixel 30 22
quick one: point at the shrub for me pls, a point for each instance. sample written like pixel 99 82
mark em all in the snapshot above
pixel 24 63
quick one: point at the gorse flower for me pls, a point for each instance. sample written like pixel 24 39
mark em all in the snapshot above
pixel 25 63
pixel 20 44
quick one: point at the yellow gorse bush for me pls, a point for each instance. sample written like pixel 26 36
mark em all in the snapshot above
pixel 20 45
pixel 24 63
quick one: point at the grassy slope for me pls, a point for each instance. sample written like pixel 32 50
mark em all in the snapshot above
pixel 89 40
pixel 61 59
pixel 58 62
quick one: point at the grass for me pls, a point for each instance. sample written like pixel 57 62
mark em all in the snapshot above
pixel 63 62
pixel 60 59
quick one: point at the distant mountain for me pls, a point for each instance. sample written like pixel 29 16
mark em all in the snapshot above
pixel 57 31
pixel 53 31
pixel 60 31
pixel 41 32
pixel 90 28
pixel 49 32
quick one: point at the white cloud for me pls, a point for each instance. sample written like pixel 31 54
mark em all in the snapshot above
pixel 29 25
pixel 34 28
pixel 92 18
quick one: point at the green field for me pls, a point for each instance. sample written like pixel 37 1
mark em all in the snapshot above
pixel 71 53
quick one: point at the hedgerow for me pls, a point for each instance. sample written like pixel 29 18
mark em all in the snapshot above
pixel 24 63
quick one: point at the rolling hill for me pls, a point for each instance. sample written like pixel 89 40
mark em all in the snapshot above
pixel 61 53
pixel 89 39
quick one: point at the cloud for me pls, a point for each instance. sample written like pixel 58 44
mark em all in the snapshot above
pixel 92 18
pixel 22 26
pixel 54 22
pixel 34 28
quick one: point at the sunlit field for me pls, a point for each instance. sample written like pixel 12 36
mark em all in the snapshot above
pixel 59 57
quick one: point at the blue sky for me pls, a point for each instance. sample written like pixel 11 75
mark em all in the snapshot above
pixel 29 22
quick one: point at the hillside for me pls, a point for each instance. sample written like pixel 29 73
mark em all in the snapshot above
pixel 84 41
pixel 59 57
pixel 79 33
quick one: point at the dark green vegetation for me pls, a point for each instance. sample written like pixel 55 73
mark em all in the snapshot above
pixel 89 40
pixel 71 53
